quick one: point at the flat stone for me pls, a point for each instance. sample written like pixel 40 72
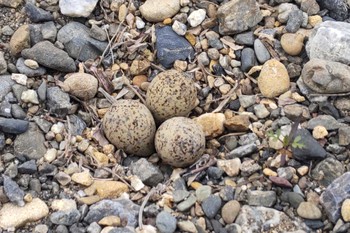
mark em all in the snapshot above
pixel 327 171
pixel 107 188
pixel 66 218
pixel 309 210
pixel 261 52
pixel 294 199
pixel 238 123
pixel 14 193
pixel 254 219
pixel 171 47
pixel 13 126
pixel 83 178
pixel 36 14
pixel 34 148
pixel 20 40
pixel 147 172
pixel 46 54
pixel 230 211
pixel 31 212
pixel 3 63
pixel 77 8
pixel 28 167
pixel 23 69
pixel 123 208
pixel 330 41
pixel 242 151
pixel 262 198
pixel 327 121
pixel 211 205
pixel 238 16
pixel 186 204
pixel 6 84
pixel 245 38
pixel 165 222
pixel 203 192
pixel 156 11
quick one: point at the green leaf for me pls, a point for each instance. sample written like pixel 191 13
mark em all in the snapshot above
pixel 297 138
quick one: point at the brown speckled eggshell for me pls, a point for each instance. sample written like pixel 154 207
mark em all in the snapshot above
pixel 84 86
pixel 129 125
pixel 180 141
pixel 171 94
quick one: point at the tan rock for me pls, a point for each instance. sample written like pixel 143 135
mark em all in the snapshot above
pixel 230 167
pixel 139 67
pixel 273 79
pixel 212 123
pixel 309 210
pixel 20 40
pixel 83 178
pixel 89 200
pixel 11 3
pixel 303 170
pixel 139 79
pixel 158 10
pixel 238 123
pixel 269 172
pixel 110 221
pixel 31 64
pixel 101 158
pixel 63 204
pixel 187 226
pixel 107 188
pixel 319 132
pixel 345 210
pixel 230 211
pixel 84 86
pixel 13 216
pixel 292 43
pixel 314 20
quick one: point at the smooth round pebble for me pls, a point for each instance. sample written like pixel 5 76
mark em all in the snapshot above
pixel 319 132
pixel 292 43
pixel 230 211
pixel 165 222
pixel 309 210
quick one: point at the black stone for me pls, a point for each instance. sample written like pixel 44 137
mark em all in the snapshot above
pixel 314 224
pixel 28 167
pixel 248 59
pixel 36 14
pixel 13 126
pixel 338 9
pixel 14 193
pixel 311 149
pixel 171 47
pixel 294 22
pixel 215 173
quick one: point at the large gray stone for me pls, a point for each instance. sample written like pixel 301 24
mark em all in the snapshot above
pixel 46 54
pixel 23 69
pixel 30 143
pixel 335 194
pixel 58 101
pixel 5 85
pixel 330 41
pixel 329 122
pixel 13 126
pixel 327 77
pixel 77 8
pixel 337 8
pixel 238 15
pixel 78 43
pixel 327 171
pixel 262 219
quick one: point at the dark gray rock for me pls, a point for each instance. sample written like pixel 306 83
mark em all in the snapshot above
pixel 215 173
pixel 147 172
pixel 294 22
pixel 36 14
pixel 11 170
pixel 58 101
pixel 179 195
pixel 17 112
pixel 5 85
pixel 43 124
pixel 242 151
pixel 33 148
pixel 14 193
pixel 262 198
pixel 66 218
pixel 98 33
pixel 28 167
pixel 13 126
pixel 171 47
pixel 256 219
pixel 49 31
pixel 42 91
pixel 311 148
pixel 77 42
pixel 35 33
pixel 5 109
pixel 2 141
pixel 47 169
pixel 248 59
pixel 187 204
pixel 17 90
pixel 327 171
pixel 337 8
pixel 245 38
pixel 123 208
pixel 333 197
pixel 165 222
pixel 46 54
pixel 262 54
pixel 238 16
pixel 211 205
pixel 77 125
pixel 294 199
pixel 324 120
pixel 121 230
pixel 330 41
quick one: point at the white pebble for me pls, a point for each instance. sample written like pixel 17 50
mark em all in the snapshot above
pixel 57 128
pixel 196 17
pixel 139 23
pixel 30 96
pixel 50 155
pixel 31 64
pixel 19 78
pixel 179 28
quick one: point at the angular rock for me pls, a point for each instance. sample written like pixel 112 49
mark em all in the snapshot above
pixel 212 123
pixel 33 148
pixel 36 14
pixel 333 197
pixel 49 31
pixel 311 148
pixel 20 40
pixel 338 8
pixel 187 204
pixel 262 198
pixel 309 210
pixel 5 85
pixel 330 41
pixel 107 188
pixel 23 69
pixel 3 63
pixel 68 217
pixel 238 15
pixel 295 20
pixel 78 43
pixel 231 166
pixel 46 54
pixel 327 171
pixel 329 122
pixel 77 8
pixel 14 193
pixel 319 76
pixel 10 3
pixel 13 126
pixel 211 206
pixel 31 212
pixel 28 167
pixel 242 151
pixel 239 123
pixel 156 11
pixel 123 208
pixel 147 172
pixel 58 101
pixel 171 47
pixel 258 219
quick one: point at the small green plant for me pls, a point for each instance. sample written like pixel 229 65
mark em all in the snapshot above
pixel 286 139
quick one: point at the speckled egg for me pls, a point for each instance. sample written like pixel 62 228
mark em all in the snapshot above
pixel 180 141
pixel 129 125
pixel 171 94
pixel 84 86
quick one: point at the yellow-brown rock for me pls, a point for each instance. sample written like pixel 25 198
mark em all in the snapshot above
pixel 212 123
pixel 292 43
pixel 84 86
pixel 110 221
pixel 107 188
pixel 273 79
pixel 20 40
pixel 238 123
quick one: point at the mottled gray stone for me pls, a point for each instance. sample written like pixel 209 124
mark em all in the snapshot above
pixel 165 222
pixel 262 198
pixel 14 193
pixel 242 151
pixel 5 85
pixel 329 122
pixel 211 205
pixel 58 101
pixel 327 171
pixel 147 172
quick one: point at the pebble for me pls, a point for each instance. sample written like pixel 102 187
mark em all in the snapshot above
pixel 83 178
pixel 230 167
pixel 13 126
pixel 147 172
pixel 196 17
pixel 319 132
pixel 77 8
pixel 344 136
pixel 262 54
pixel 262 198
pixel 292 43
pixel 110 221
pixel 261 111
pixel 107 188
pixel 41 228
pixel 187 204
pixel 212 123
pixel 31 212
pixel 242 151
pixel 309 210
pixel 211 205
pixel 58 101
pixel 67 218
pixel 3 63
pixel 187 226
pixel 245 38
pixel 156 11
pixel 63 178
pixel 20 40
pixel 30 96
pixel 203 192
pixel 28 67
pixel 179 28
pixel 248 59
pixel 36 14
pixel 230 211
pixel 28 167
pixel 273 79
pixel 295 20
pixel 345 210
pixel 165 222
